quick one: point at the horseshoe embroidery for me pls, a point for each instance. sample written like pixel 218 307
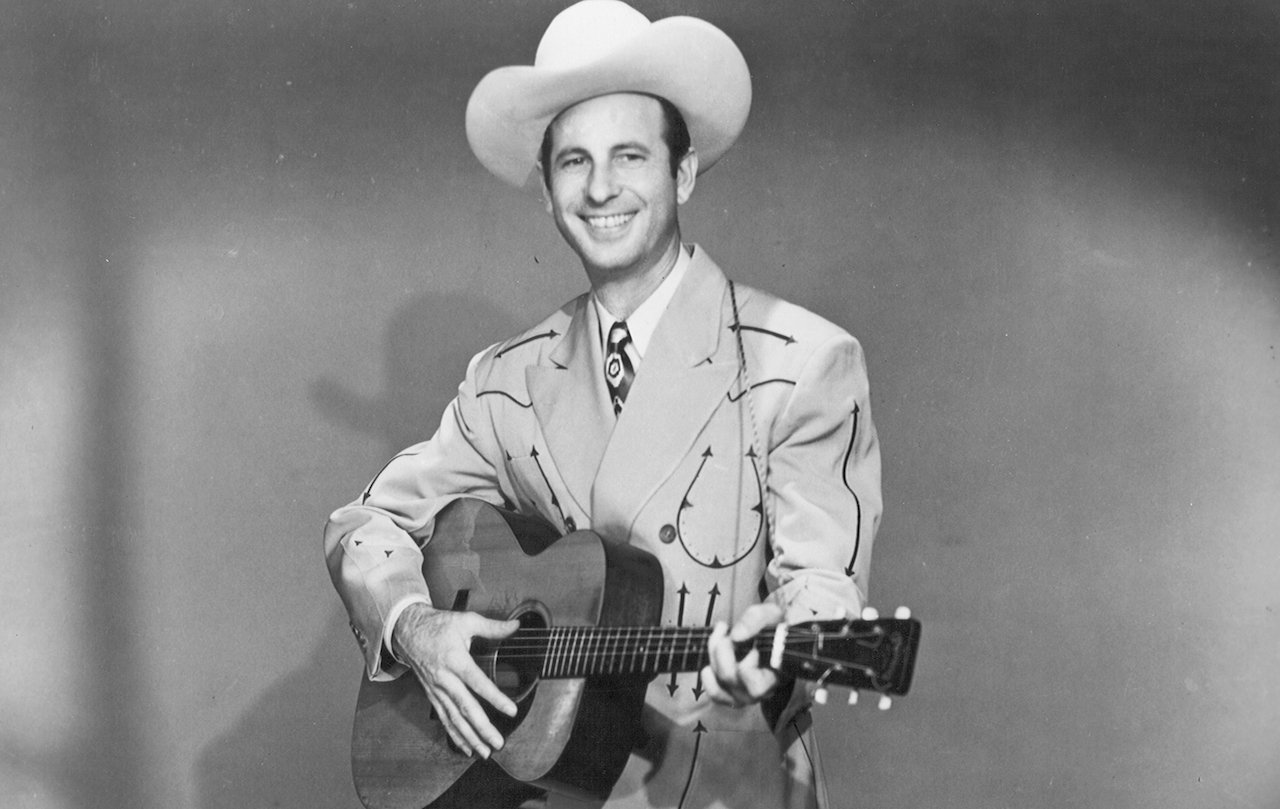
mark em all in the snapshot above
pixel 710 557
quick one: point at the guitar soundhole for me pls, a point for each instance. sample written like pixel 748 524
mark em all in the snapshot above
pixel 514 663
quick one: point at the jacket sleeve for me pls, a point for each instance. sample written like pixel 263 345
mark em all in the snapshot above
pixel 824 476
pixel 372 545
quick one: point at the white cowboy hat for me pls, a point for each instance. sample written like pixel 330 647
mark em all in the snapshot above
pixel 596 47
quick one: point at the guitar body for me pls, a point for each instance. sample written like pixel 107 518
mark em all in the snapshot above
pixel 569 735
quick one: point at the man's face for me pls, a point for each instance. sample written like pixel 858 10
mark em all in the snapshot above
pixel 611 191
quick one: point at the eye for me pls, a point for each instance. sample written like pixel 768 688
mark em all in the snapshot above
pixel 630 158
pixel 573 162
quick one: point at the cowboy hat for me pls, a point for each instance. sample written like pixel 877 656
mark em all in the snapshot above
pixel 597 47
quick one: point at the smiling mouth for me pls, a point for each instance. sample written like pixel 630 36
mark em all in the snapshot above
pixel 607 223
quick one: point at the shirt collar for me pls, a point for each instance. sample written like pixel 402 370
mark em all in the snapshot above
pixel 644 320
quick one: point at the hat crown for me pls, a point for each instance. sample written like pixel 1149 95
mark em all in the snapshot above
pixel 586 32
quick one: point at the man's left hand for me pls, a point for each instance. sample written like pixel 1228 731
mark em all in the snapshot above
pixel 730 681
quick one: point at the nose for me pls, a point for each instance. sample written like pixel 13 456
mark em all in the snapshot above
pixel 602 185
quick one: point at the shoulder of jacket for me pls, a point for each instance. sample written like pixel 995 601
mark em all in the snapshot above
pixel 781 323
pixel 534 343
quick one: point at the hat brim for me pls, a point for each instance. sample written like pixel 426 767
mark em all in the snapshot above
pixel 687 61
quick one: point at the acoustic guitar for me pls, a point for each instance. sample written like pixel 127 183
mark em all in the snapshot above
pixel 577 668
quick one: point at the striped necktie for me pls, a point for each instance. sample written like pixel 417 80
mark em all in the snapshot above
pixel 618 367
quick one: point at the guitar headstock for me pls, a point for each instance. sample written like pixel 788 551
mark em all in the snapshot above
pixel 869 653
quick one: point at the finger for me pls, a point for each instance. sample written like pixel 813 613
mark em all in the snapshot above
pixel 756 682
pixel 479 682
pixel 724 668
pixel 449 727
pixel 714 691
pixel 755 619
pixel 447 712
pixel 721 655
pixel 472 720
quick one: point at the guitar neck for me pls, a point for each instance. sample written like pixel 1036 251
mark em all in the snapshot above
pixel 584 651
pixel 874 654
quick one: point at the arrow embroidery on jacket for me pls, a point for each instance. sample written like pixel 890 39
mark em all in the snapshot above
pixel 693 762
pixel 786 338
pixel 712 594
pixel 711 604
pixel 368 490
pixel 555 501
pixel 740 394
pixel 857 531
pixel 546 335
pixel 683 592
pixel 525 405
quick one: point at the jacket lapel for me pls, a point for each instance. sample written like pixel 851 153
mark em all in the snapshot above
pixel 571 403
pixel 684 376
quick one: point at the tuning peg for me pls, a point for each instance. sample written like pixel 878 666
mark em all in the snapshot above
pixel 902 613
pixel 870 613
pixel 886 702
pixel 820 696
pixel 853 697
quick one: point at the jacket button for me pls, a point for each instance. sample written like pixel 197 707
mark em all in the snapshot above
pixel 667 534
pixel 570 525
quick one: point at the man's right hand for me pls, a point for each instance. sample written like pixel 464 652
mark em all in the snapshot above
pixel 436 644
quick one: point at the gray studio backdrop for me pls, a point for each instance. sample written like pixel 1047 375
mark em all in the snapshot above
pixel 245 254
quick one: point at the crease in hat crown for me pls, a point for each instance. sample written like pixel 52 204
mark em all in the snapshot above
pixel 597 47
pixel 587 32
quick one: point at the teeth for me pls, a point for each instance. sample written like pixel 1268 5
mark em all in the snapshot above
pixel 616 220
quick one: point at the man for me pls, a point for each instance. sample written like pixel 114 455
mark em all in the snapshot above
pixel 725 431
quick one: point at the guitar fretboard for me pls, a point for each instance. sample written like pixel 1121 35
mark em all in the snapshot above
pixel 869 654
pixel 583 651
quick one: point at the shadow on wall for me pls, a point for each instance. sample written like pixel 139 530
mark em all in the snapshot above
pixel 291 747
pixel 429 342
pixel 285 749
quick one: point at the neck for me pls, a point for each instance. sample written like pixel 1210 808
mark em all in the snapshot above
pixel 622 293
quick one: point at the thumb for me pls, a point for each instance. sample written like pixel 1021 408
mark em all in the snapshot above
pixel 490 628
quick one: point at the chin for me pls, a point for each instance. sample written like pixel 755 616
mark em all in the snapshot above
pixel 609 260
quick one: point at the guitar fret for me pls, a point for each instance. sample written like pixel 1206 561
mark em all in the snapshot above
pixel 624 649
pixel 602 652
pixel 578 660
pixel 558 666
pixel 620 652
pixel 570 651
pixel 590 642
pixel 602 649
pixel 549 663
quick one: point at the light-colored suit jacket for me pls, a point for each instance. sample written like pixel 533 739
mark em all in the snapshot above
pixel 705 457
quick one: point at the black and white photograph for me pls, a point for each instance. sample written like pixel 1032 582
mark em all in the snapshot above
pixel 640 404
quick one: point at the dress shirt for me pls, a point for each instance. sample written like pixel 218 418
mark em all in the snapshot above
pixel 644 320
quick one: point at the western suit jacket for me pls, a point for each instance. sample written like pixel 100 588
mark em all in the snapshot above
pixel 744 459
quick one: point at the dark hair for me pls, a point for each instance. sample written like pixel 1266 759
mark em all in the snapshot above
pixel 674 131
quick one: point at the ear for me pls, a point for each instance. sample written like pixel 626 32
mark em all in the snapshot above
pixel 546 191
pixel 686 175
